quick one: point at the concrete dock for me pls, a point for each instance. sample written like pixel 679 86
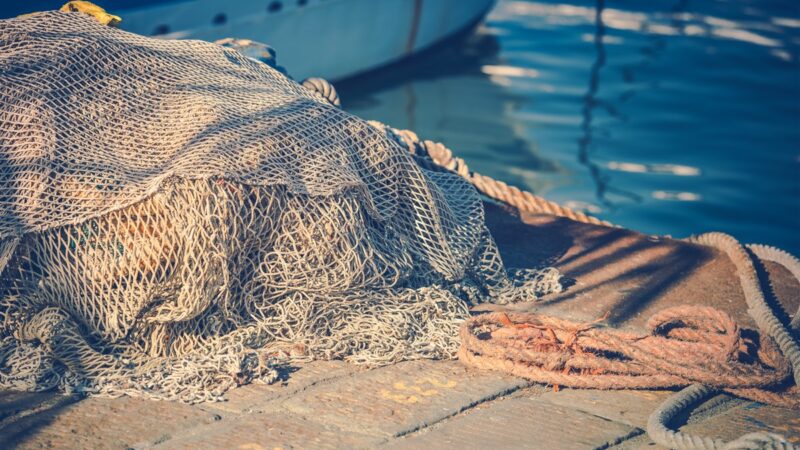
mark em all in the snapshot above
pixel 443 404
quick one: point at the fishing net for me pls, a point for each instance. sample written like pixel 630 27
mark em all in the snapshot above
pixel 177 219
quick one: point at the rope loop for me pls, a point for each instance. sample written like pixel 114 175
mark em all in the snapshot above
pixel 324 88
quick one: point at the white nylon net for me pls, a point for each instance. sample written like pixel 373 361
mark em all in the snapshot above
pixel 177 219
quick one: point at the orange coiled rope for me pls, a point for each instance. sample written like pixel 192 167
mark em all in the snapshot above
pixel 686 345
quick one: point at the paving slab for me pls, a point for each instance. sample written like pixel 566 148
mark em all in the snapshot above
pixel 395 400
pixel 101 423
pixel 256 397
pixel 529 423
pixel 629 407
pixel 269 431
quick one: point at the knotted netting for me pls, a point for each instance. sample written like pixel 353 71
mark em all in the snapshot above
pixel 177 219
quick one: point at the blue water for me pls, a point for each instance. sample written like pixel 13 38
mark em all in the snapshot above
pixel 668 117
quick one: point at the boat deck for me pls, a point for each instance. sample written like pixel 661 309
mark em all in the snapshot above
pixel 442 404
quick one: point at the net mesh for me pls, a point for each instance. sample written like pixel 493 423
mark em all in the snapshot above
pixel 177 219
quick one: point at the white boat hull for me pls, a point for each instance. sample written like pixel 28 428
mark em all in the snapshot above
pixel 333 39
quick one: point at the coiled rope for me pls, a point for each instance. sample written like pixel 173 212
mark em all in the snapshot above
pixel 686 344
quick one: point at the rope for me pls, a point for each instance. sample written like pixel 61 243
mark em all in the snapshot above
pixel 686 345
pixel 778 256
pixel 672 407
pixel 434 155
pixel 324 88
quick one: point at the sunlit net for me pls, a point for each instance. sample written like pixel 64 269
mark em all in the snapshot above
pixel 177 219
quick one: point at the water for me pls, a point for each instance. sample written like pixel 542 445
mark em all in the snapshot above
pixel 668 117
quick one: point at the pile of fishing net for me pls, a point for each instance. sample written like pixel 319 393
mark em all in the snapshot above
pixel 177 219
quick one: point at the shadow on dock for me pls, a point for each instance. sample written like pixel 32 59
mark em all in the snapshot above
pixel 22 414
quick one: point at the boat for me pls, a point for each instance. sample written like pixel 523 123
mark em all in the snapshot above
pixel 333 39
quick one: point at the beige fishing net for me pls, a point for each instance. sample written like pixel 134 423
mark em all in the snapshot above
pixel 177 219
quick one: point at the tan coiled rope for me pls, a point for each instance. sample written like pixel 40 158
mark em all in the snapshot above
pixel 686 344
pixel 442 157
